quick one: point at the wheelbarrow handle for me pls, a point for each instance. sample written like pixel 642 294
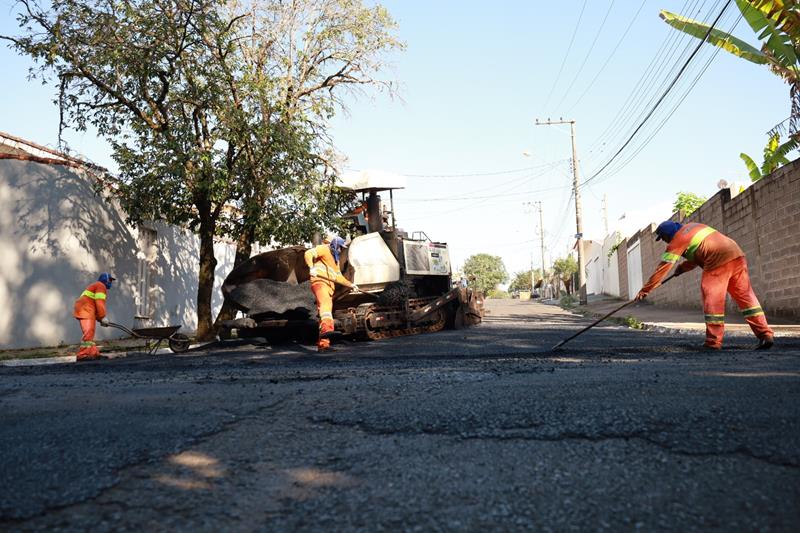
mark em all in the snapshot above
pixel 123 328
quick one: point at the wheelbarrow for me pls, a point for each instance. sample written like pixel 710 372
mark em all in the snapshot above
pixel 178 342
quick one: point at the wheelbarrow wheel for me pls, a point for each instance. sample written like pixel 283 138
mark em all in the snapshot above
pixel 179 343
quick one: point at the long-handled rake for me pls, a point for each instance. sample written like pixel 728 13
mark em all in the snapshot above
pixel 593 324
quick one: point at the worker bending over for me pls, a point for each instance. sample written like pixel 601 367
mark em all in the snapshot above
pixel 90 307
pixel 724 271
pixel 323 265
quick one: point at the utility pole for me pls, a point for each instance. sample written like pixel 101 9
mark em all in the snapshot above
pixel 578 219
pixel 541 237
pixel 537 205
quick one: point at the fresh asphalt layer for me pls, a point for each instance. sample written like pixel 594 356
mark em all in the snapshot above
pixel 471 429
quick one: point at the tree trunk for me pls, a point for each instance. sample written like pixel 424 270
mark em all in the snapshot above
pixel 205 282
pixel 244 247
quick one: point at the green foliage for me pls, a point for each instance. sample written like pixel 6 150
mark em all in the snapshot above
pixel 776 24
pixel 632 322
pixel 522 280
pixel 487 270
pixel 617 242
pixel 688 202
pixel 719 38
pixel 568 301
pixel 775 156
pixel 498 294
pixel 565 268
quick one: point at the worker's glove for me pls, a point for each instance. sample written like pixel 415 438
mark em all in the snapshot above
pixel 313 272
pixel 104 322
pixel 355 288
pixel 641 296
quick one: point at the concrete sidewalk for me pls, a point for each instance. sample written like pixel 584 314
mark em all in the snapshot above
pixel 683 320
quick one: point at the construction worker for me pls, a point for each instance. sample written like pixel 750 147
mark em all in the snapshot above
pixel 724 271
pixel 90 308
pixel 323 265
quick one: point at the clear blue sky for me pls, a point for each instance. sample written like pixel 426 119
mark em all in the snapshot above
pixel 474 77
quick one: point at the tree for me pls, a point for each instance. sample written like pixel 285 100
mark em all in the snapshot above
pixel 298 59
pixel 774 157
pixel 141 74
pixel 215 112
pixel 485 272
pixel 522 280
pixel 688 202
pixel 777 24
pixel 565 268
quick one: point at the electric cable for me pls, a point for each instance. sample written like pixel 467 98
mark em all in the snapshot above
pixel 617 168
pixel 647 99
pixel 663 96
pixel 588 54
pixel 605 63
pixel 566 55
pixel 643 84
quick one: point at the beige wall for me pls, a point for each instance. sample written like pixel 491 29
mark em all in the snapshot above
pixel 56 235
pixel 765 221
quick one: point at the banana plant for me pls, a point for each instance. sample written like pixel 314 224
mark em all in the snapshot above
pixel 775 156
pixel 777 27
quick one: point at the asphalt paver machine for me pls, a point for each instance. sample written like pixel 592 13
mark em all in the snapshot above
pixel 406 281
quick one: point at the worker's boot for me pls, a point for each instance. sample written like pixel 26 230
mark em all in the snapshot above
pixel 710 348
pixel 325 349
pixel 95 357
pixel 765 343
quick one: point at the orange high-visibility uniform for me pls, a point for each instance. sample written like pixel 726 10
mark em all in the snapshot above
pixel 325 274
pixel 89 308
pixel 724 271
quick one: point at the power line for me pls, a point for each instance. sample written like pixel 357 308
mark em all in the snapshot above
pixel 645 83
pixel 647 98
pixel 663 96
pixel 475 174
pixel 566 55
pixel 672 73
pixel 605 63
pixel 495 186
pixel 663 122
pixel 588 54
pixel 503 195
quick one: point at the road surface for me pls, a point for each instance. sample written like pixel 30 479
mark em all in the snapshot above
pixel 472 429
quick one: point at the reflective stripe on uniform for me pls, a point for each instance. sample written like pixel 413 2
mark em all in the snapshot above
pixel 325 314
pixel 87 344
pixel 329 273
pixel 670 258
pixel 694 244
pixel 753 311
pixel 94 295
pixel 714 318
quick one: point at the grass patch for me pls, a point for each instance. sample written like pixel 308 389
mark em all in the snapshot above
pixel 633 322
pixel 568 301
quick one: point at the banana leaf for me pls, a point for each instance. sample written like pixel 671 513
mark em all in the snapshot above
pixel 719 38
pixel 755 172
pixel 778 42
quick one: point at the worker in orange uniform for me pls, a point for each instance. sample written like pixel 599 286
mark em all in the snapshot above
pixel 724 271
pixel 323 265
pixel 90 308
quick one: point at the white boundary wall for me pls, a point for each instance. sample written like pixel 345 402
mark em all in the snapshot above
pixel 57 235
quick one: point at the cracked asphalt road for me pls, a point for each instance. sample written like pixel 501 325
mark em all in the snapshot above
pixel 472 429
